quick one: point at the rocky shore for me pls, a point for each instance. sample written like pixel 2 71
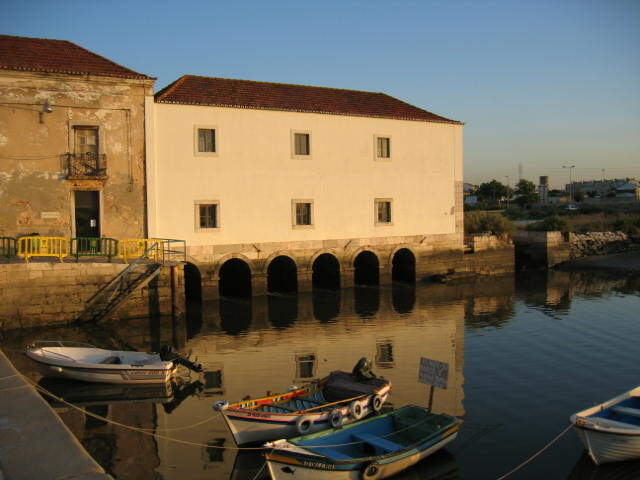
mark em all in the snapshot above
pixel 627 262
pixel 600 243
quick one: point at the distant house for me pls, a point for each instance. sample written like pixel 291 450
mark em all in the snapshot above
pixel 278 186
pixel 71 141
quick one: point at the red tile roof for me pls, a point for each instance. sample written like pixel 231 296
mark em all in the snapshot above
pixel 224 92
pixel 57 56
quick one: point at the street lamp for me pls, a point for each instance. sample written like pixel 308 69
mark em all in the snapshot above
pixel 570 167
pixel 508 188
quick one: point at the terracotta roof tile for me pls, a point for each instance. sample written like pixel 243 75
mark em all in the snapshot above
pixel 57 56
pixel 195 90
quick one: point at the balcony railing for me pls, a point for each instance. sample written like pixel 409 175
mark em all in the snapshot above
pixel 85 165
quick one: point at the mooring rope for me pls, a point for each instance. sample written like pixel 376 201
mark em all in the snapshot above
pixel 535 455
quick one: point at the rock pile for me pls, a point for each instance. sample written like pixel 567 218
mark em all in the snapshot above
pixel 598 243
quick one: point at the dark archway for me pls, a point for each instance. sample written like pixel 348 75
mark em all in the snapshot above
pixel 283 310
pixel 235 315
pixel 367 270
pixel 326 305
pixel 326 272
pixel 403 297
pixel 282 275
pixel 403 266
pixel 192 283
pixel 366 300
pixel 235 279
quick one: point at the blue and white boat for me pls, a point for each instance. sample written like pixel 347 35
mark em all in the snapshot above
pixel 610 431
pixel 370 449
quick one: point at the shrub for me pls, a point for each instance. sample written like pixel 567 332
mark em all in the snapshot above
pixel 480 222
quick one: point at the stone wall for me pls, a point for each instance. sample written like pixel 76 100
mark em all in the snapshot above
pixel 598 243
pixel 540 249
pixel 45 293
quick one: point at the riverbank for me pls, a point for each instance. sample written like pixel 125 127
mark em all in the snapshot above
pixel 619 262
pixel 34 442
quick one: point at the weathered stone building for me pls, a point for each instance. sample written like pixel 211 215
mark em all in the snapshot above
pixel 71 141
pixel 276 187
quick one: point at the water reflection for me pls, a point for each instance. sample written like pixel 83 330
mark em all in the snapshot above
pixel 252 346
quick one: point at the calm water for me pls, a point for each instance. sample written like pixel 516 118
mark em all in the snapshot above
pixel 524 353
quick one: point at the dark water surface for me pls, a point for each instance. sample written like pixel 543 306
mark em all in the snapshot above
pixel 524 354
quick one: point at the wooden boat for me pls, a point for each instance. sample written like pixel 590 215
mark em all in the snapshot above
pixel 370 449
pixel 611 431
pixel 340 398
pixel 83 361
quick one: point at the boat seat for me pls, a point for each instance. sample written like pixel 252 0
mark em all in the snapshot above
pixel 632 412
pixel 332 453
pixel 377 442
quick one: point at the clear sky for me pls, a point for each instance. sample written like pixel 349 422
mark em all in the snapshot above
pixel 542 83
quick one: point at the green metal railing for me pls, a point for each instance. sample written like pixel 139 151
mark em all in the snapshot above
pixel 8 247
pixel 94 247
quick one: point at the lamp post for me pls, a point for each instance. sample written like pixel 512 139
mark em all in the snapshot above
pixel 570 167
pixel 508 188
pixel 602 187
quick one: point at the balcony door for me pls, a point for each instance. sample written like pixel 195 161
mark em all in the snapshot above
pixel 87 208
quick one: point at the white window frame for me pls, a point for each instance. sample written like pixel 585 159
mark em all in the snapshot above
pixel 294 218
pixel 293 144
pixel 196 141
pixel 375 148
pixel 196 210
pixel 378 201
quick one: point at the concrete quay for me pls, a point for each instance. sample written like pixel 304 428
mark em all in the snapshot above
pixel 34 442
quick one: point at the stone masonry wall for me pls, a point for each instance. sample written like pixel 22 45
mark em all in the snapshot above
pixel 46 293
pixel 598 243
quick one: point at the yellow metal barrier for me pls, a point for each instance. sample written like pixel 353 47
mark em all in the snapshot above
pixel 135 247
pixel 43 247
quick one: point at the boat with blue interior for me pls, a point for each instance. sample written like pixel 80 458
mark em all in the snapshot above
pixel 610 431
pixel 374 448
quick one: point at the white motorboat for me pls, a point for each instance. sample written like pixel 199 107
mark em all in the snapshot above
pixel 83 361
pixel 610 431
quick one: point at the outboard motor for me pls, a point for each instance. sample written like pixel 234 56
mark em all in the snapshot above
pixel 168 354
pixel 362 370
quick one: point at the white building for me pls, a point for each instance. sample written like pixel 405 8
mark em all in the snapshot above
pixel 273 185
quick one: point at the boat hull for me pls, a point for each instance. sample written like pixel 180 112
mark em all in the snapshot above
pixel 605 447
pixel 283 469
pixel 253 428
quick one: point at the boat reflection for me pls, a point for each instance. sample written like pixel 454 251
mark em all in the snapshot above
pixel 585 469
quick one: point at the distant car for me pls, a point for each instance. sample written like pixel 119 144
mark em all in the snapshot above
pixel 571 207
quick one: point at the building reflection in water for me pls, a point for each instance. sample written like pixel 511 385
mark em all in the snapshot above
pixel 253 346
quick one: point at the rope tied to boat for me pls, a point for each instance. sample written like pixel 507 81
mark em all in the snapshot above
pixel 535 455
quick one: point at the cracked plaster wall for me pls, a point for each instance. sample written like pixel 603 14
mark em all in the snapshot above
pixel 32 173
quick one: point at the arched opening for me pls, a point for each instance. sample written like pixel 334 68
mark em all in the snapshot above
pixel 403 297
pixel 235 279
pixel 366 269
pixel 282 275
pixel 283 310
pixel 403 266
pixel 326 305
pixel 192 283
pixel 235 315
pixel 326 272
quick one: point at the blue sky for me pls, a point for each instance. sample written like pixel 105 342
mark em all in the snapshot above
pixel 539 83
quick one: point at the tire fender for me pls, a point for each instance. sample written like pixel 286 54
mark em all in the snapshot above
pixel 370 471
pixel 376 403
pixel 304 424
pixel 356 410
pixel 335 418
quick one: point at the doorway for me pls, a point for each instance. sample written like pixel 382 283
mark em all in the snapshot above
pixel 87 209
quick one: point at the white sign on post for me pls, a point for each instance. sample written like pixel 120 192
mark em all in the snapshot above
pixel 433 372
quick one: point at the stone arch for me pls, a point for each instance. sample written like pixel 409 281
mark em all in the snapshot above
pixel 276 254
pixel 222 260
pixel 322 251
pixel 403 265
pixel 325 269
pixel 366 266
pixel 192 282
pixel 234 278
pixel 282 275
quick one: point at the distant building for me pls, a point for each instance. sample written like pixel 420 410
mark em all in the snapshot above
pixel 71 141
pixel 619 188
pixel 543 190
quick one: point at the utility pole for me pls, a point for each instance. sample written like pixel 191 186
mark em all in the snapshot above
pixel 570 167
pixel 602 187
pixel 508 188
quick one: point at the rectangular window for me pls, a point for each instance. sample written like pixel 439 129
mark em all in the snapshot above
pixel 302 144
pixel 206 140
pixel 383 210
pixel 384 147
pixel 207 215
pixel 305 365
pixel 86 140
pixel 303 214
